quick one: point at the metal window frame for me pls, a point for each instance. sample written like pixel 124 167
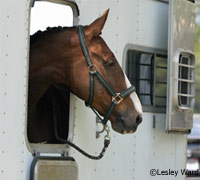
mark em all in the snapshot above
pixel 55 148
pixel 70 3
pixel 150 51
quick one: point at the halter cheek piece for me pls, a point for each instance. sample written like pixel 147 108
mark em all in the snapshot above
pixel 117 98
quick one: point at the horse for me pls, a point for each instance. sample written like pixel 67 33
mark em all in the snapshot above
pixel 57 64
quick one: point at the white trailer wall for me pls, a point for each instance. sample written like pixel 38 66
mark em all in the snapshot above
pixel 137 22
pixel 141 23
pixel 14 156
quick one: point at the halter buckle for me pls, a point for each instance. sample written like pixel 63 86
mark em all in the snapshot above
pixel 92 69
pixel 117 98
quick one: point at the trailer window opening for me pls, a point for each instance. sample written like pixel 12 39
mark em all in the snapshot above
pixel 148 72
pixel 44 15
pixel 47 14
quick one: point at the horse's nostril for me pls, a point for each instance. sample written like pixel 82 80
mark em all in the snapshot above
pixel 139 120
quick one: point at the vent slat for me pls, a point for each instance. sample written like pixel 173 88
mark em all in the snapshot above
pixel 186 80
pixel 188 66
pixel 186 95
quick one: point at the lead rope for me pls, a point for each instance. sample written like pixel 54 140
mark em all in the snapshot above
pixel 106 137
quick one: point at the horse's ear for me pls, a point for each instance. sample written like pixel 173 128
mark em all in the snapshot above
pixel 95 28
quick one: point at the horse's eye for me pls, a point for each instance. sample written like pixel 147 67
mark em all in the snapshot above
pixel 110 62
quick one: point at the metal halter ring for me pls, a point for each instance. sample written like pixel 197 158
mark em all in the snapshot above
pixel 92 69
pixel 117 99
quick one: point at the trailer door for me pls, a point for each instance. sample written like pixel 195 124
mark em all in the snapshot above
pixel 181 66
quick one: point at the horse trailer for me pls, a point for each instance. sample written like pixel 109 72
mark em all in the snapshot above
pixel 153 41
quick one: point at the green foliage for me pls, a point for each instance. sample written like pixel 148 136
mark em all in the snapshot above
pixel 197 56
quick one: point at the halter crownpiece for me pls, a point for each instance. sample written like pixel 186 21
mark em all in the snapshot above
pixel 117 98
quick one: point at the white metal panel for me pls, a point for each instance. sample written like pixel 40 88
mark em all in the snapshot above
pixel 14 156
pixel 152 26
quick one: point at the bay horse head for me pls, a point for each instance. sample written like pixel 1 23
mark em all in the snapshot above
pixel 110 97
pixel 58 57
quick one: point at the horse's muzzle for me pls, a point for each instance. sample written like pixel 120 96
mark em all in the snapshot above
pixel 125 125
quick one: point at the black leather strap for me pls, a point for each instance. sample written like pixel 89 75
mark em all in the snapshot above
pixel 116 97
pixel 84 45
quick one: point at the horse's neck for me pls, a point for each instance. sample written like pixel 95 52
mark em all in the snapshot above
pixel 45 69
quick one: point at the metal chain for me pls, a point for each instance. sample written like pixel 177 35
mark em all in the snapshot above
pixel 100 156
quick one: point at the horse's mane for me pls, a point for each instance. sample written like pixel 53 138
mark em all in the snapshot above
pixel 48 30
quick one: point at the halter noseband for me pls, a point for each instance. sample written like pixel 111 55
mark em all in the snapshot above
pixel 117 98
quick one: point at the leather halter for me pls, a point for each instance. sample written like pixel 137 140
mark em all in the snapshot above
pixel 117 98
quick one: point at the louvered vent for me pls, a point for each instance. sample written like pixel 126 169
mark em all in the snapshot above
pixel 186 81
